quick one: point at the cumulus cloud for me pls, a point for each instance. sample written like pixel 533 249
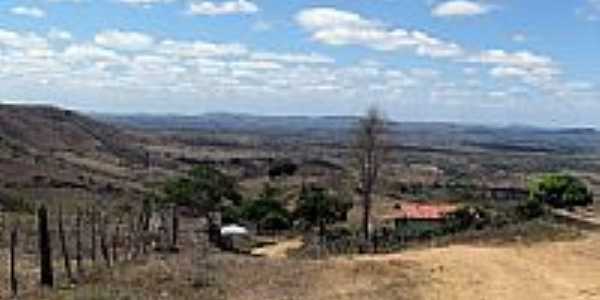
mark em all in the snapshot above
pixel 527 66
pixel 460 8
pixel 28 11
pixel 144 3
pixel 208 8
pixel 199 49
pixel 338 28
pixel 57 34
pixel 297 58
pixel 123 40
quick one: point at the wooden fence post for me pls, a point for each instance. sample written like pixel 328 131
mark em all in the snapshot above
pixel 46 272
pixel 63 244
pixel 78 244
pixel 13 270
pixel 103 242
pixel 93 224
pixel 142 228
pixel 174 228
pixel 115 242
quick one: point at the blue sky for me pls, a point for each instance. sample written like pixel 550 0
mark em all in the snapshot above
pixel 494 62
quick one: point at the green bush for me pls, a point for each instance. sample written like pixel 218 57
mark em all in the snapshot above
pixel 275 221
pixel 317 204
pixel 16 205
pixel 531 209
pixel 204 189
pixel 267 211
pixel 560 191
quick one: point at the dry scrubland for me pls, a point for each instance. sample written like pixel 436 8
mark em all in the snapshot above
pixel 544 270
pixel 53 155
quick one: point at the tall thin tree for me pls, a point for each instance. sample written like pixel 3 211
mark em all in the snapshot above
pixel 369 149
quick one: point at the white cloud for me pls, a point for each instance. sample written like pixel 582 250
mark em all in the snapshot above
pixel 338 28
pixel 57 34
pixel 28 11
pixel 21 40
pixel 199 49
pixel 90 53
pixel 122 40
pixel 296 58
pixel 519 38
pixel 144 3
pixel 520 59
pixel 460 8
pixel 208 8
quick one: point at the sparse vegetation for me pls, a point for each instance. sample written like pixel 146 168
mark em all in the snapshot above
pixel 154 226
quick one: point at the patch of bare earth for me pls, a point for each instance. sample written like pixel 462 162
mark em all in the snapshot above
pixel 552 270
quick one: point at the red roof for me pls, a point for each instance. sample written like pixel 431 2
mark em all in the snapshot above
pixel 418 211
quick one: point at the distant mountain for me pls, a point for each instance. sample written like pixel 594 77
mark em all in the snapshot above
pixel 336 129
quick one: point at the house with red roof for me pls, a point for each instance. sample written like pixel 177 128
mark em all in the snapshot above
pixel 418 214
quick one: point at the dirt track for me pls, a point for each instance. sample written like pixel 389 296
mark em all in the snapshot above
pixel 561 270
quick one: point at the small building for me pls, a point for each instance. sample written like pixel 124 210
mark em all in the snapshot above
pixel 418 215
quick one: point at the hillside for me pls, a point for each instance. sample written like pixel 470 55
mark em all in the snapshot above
pixel 48 152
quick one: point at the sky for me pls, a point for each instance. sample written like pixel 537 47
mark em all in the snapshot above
pixel 534 62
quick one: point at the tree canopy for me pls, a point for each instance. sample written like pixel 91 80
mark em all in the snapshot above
pixel 316 204
pixel 204 189
pixel 560 191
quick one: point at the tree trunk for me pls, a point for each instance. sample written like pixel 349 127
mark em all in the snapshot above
pixel 366 215
pixel 46 272
pixel 63 245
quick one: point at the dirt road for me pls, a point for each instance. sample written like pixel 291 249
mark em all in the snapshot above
pixel 560 270
pixel 280 249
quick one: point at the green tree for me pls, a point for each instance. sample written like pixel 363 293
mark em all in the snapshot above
pixel 267 211
pixel 319 206
pixel 204 189
pixel 560 191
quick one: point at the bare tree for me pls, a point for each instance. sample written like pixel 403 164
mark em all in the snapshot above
pixel 369 148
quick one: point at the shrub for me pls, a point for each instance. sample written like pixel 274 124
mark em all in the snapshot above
pixel 283 167
pixel 531 209
pixel 560 191
pixel 275 221
pixel 204 189
pixel 267 211
pixel 317 204
pixel 16 204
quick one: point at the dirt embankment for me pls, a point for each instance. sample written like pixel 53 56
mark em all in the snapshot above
pixel 559 270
